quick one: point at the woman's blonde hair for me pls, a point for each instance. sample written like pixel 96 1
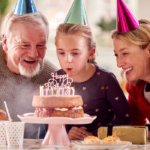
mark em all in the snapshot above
pixel 80 30
pixel 139 37
pixel 29 18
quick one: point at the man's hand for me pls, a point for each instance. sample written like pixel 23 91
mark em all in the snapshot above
pixel 76 133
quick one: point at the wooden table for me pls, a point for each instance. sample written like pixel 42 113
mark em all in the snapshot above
pixel 33 144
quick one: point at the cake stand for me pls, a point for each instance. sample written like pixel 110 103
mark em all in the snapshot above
pixel 56 133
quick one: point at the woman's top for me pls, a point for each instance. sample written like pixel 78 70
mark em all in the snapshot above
pixel 139 106
pixel 146 91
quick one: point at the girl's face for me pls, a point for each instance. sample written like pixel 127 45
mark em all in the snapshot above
pixel 73 54
pixel 133 60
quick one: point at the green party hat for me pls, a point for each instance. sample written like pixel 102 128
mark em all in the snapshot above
pixel 77 14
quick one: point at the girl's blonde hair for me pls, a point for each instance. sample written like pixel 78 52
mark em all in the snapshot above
pixel 139 37
pixel 80 30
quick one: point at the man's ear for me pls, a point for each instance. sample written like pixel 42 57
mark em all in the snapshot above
pixel 4 42
pixel 92 52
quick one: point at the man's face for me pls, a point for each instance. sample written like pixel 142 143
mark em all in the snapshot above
pixel 25 48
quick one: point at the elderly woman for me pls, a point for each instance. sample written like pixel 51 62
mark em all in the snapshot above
pixel 132 51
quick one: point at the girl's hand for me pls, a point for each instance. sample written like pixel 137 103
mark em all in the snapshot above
pixel 76 133
pixel 88 134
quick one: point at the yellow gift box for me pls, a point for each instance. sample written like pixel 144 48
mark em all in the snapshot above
pixel 134 134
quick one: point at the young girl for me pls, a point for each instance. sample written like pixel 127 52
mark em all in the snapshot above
pixel 101 93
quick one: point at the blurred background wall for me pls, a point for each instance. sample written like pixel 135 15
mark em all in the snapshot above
pixel 102 19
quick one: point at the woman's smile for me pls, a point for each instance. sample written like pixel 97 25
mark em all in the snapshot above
pixel 128 70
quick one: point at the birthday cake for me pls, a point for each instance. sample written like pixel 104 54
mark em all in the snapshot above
pixel 58 100
pixel 58 106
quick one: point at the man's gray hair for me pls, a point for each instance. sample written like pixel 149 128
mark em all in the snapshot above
pixel 29 18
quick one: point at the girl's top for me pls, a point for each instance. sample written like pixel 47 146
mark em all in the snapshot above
pixel 102 97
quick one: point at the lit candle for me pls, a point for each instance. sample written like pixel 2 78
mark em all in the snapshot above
pixel 73 91
pixel 41 91
pixel 68 90
pixel 52 91
pixel 46 91
pixel 62 91
pixel 58 91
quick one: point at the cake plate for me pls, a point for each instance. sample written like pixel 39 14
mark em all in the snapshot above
pixel 56 133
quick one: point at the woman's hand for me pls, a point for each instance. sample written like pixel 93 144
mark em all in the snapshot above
pixel 76 133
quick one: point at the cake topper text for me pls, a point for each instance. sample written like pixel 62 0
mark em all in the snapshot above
pixel 58 85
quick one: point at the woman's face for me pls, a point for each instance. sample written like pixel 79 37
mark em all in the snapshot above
pixel 133 60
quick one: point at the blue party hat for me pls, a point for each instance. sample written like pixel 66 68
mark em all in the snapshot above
pixel 24 7
pixel 77 14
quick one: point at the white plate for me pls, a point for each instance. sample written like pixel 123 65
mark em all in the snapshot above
pixel 29 118
pixel 81 145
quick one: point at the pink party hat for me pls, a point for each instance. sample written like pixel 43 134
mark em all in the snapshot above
pixel 125 20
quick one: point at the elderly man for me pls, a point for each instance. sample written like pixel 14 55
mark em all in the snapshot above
pixel 23 67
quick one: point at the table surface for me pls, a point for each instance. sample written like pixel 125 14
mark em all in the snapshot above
pixel 35 144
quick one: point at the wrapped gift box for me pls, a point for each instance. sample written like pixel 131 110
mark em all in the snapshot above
pixel 134 134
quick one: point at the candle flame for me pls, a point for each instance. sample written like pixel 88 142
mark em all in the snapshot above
pixel 73 90
pixel 41 87
pixel 41 91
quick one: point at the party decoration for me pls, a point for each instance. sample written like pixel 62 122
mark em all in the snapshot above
pixel 58 85
pixel 24 7
pixel 125 20
pixel 77 14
